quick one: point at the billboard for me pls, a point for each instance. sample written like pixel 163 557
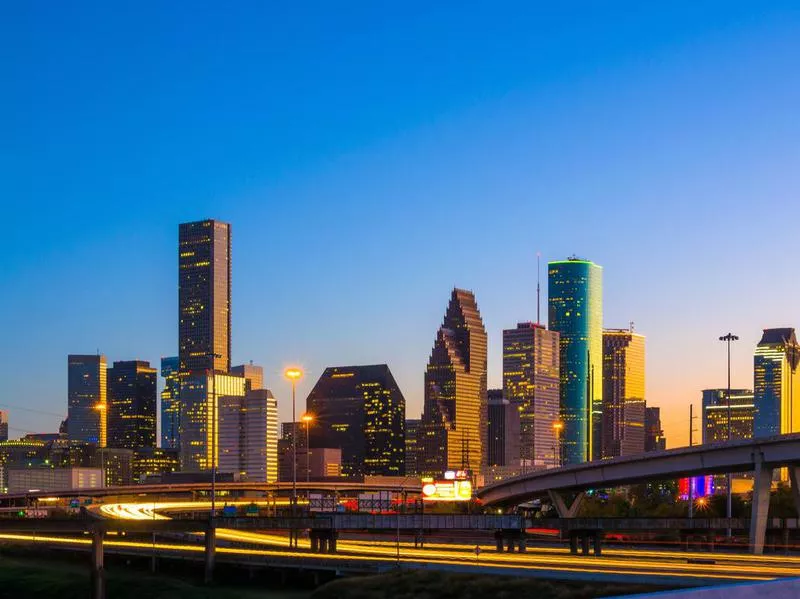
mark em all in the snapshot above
pixel 701 486
pixel 446 490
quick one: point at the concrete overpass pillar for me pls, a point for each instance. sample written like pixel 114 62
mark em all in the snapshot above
pixel 98 570
pixel 562 509
pixel 573 543
pixel 211 542
pixel 585 543
pixel 762 481
pixel 794 479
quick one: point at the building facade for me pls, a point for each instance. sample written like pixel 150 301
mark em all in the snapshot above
pixel 412 446
pixel 715 415
pixel 531 383
pixel 253 375
pixel 248 435
pixel 453 428
pixel 86 398
pixel 204 296
pixel 623 430
pixel 47 478
pixel 152 461
pixel 654 439
pixel 575 305
pixel 132 405
pixel 776 383
pixel 360 410
pixel 170 403
pixel 3 426
pixel 503 438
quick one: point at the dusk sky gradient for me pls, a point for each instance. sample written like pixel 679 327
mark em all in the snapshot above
pixel 370 156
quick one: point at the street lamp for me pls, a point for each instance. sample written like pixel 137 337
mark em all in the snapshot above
pixel 727 339
pixel 211 356
pixel 308 419
pixel 294 374
pixel 558 426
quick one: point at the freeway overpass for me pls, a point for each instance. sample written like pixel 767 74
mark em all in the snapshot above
pixel 759 456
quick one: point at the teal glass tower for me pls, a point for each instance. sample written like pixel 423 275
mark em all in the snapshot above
pixel 575 303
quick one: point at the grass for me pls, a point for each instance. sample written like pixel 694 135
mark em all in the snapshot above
pixel 439 585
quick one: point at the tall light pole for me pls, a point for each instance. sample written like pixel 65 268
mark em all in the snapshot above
pixel 727 339
pixel 558 426
pixel 294 374
pixel 307 420
pixel 211 356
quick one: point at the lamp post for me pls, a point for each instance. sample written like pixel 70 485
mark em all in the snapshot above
pixel 727 339
pixel 212 373
pixel 558 426
pixel 308 419
pixel 294 374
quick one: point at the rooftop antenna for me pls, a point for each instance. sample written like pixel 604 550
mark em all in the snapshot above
pixel 538 287
pixel 631 326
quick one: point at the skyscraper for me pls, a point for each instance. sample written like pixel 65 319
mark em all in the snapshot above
pixel 623 393
pixel 360 410
pixel 3 425
pixel 248 435
pixel 715 414
pixel 503 422
pixel 204 296
pixel 170 403
pixel 131 405
pixel 453 428
pixel 654 439
pixel 575 290
pixel 86 398
pixel 776 383
pixel 412 447
pixel 531 384
pixel 253 375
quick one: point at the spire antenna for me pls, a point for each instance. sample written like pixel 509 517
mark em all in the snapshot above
pixel 538 288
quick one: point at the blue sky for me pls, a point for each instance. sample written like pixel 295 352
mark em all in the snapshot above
pixel 370 156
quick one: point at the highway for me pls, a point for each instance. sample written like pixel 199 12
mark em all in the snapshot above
pixel 639 565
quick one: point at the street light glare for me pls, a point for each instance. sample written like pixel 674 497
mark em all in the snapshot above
pixel 293 373
pixel 307 417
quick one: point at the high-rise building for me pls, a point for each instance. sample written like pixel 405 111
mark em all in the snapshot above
pixel 202 394
pixel 204 296
pixel 575 301
pixel 170 403
pixel 132 404
pixel 654 439
pixel 623 393
pixel 151 461
pixel 503 437
pixel 86 398
pixel 453 428
pixel 360 410
pixel 715 414
pixel 412 447
pixel 248 435
pixel 531 383
pixel 3 425
pixel 253 375
pixel 776 383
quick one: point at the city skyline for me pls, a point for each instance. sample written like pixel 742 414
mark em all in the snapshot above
pixel 631 139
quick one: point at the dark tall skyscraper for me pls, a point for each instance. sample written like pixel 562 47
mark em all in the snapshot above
pixel 776 383
pixel 575 299
pixel 654 439
pixel 502 446
pixel 204 296
pixel 3 425
pixel 453 428
pixel 170 404
pixel 531 384
pixel 131 405
pixel 86 398
pixel 623 393
pixel 715 414
pixel 360 410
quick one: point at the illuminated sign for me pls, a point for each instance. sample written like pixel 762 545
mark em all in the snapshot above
pixel 701 486
pixel 447 490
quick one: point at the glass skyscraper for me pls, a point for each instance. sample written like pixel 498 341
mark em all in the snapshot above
pixel 453 430
pixel 131 405
pixel 715 414
pixel 776 383
pixel 86 398
pixel 575 302
pixel 623 393
pixel 170 404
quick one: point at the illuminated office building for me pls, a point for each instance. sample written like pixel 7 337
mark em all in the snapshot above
pixel 575 302
pixel 776 383
pixel 86 398
pixel 412 446
pixel 531 383
pixel 253 375
pixel 453 428
pixel 132 404
pixel 360 410
pixel 152 461
pixel 503 436
pixel 715 414
pixel 623 431
pixel 654 439
pixel 202 394
pixel 204 296
pixel 248 435
pixel 170 403
pixel 3 425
